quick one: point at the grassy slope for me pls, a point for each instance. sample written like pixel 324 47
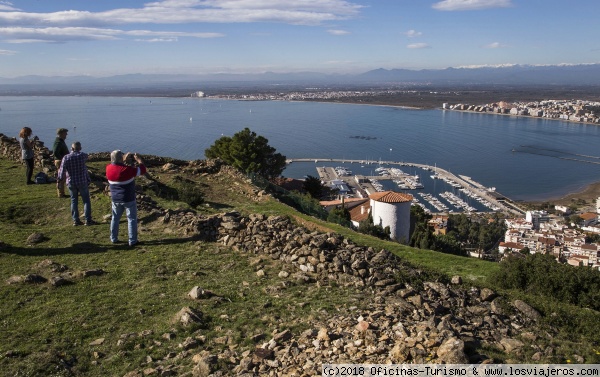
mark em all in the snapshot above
pixel 44 328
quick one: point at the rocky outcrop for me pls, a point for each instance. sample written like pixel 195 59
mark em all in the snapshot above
pixel 429 322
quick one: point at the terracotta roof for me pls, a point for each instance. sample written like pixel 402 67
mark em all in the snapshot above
pixel 391 197
pixel 588 215
pixel 512 245
pixel 337 202
pixel 358 215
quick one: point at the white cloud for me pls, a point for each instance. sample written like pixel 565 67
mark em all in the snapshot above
pixel 67 34
pixel 413 33
pixel 494 45
pixel 7 52
pixel 160 40
pixel 418 45
pixel 452 5
pixel 301 12
pixel 338 32
pixel 7 6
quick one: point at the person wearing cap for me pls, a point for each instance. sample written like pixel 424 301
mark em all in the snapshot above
pixel 60 150
pixel 121 180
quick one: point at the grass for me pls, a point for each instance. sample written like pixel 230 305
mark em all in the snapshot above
pixel 46 330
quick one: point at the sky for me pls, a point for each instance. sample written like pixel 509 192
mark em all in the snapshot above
pixel 110 37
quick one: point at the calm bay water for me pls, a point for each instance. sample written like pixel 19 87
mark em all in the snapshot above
pixel 524 158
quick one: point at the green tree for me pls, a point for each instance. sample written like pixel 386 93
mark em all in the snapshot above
pixel 575 219
pixel 316 189
pixel 248 152
pixel 421 234
pixel 340 215
pixel 367 227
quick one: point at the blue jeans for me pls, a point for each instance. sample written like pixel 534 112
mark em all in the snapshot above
pixel 117 211
pixel 84 191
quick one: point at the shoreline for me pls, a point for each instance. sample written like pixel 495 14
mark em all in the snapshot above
pixel 588 192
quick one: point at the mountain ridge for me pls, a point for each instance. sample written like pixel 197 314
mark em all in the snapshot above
pixel 517 74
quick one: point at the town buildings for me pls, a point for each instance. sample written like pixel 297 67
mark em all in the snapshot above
pixel 542 233
pixel 569 110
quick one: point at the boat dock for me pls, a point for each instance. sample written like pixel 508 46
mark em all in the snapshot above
pixel 364 186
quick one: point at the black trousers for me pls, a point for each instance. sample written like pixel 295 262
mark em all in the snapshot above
pixel 29 165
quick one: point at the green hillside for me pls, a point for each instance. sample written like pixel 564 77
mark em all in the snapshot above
pixel 73 304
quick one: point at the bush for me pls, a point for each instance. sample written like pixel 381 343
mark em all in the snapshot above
pixel 542 275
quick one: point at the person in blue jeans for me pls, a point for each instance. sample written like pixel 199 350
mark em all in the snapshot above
pixel 74 170
pixel 121 180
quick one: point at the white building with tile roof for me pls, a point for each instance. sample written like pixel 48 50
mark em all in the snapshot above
pixel 390 208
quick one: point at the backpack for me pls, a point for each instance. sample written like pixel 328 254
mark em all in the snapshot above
pixel 41 178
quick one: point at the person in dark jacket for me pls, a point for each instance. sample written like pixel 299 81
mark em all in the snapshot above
pixel 121 180
pixel 60 150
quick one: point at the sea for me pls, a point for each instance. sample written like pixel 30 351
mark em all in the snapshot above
pixel 522 158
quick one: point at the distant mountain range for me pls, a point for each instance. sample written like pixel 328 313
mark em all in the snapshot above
pixel 514 75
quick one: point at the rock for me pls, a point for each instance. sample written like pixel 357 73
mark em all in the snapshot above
pixel 15 279
pixel 511 345
pixel 524 308
pixel 452 351
pixel 262 354
pixel 168 167
pixel 323 334
pixel 35 238
pixel 283 274
pixel 456 280
pixel 52 266
pixel 362 326
pixel 283 336
pixel 487 294
pixel 187 316
pixel 96 272
pixel 34 279
pixel 189 343
pixel 198 293
pixel 58 281
pixel 97 342
pixel 497 306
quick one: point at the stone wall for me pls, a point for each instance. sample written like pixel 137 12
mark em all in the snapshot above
pixel 10 149
pixel 428 322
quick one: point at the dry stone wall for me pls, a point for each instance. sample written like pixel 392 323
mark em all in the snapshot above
pixel 10 149
pixel 432 322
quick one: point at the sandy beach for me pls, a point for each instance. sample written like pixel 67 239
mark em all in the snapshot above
pixel 590 193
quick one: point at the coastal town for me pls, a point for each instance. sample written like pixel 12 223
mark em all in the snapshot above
pixel 312 94
pixel 572 110
pixel 562 233
pixel 541 232
pixel 568 110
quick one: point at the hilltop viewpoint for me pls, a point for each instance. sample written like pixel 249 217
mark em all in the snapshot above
pixel 230 279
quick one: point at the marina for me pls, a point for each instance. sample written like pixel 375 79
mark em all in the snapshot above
pixel 459 194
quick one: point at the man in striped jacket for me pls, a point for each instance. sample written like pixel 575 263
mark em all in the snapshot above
pixel 121 179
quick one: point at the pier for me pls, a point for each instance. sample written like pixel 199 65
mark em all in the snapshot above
pixel 364 187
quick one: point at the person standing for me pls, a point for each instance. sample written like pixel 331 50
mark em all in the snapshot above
pixel 59 150
pixel 27 151
pixel 121 180
pixel 74 170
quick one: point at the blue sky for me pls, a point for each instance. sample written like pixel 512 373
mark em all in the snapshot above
pixel 109 37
